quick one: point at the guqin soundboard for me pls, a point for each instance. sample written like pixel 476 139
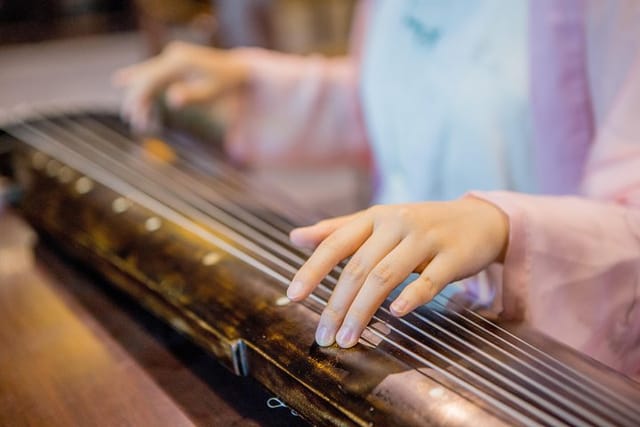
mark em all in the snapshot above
pixel 205 247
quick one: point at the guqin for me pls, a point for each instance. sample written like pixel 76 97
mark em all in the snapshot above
pixel 205 248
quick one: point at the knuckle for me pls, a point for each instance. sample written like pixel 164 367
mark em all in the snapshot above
pixel 330 244
pixel 424 282
pixel 354 270
pixel 333 312
pixel 375 210
pixel 433 238
pixel 424 288
pixel 397 217
pixel 382 276
pixel 357 317
pixel 403 214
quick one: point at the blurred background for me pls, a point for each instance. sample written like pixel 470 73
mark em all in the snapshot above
pixel 299 26
pixel 64 52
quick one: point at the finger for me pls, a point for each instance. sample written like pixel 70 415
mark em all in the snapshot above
pixel 185 93
pixel 437 274
pixel 197 53
pixel 140 118
pixel 137 114
pixel 176 52
pixel 153 77
pixel 142 90
pixel 311 236
pixel 123 76
pixel 351 280
pixel 396 266
pixel 337 246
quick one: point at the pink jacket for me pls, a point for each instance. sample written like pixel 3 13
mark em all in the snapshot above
pixel 573 264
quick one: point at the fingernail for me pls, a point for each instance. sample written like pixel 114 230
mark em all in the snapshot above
pixel 295 290
pixel 346 337
pixel 399 306
pixel 324 337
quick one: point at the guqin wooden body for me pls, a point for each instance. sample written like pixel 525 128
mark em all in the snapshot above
pixel 206 249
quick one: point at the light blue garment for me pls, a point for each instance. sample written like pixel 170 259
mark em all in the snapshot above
pixel 445 95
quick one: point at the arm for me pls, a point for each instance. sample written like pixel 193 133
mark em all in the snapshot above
pixel 571 267
pixel 572 270
pixel 298 109
pixel 301 109
pixel 276 108
pixel 573 264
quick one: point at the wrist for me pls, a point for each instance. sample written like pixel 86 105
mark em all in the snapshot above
pixel 497 225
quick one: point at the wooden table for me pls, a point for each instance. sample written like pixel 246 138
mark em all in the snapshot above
pixel 74 351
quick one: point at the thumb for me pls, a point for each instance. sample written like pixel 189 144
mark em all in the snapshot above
pixel 440 271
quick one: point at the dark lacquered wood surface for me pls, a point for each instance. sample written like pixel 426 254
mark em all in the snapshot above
pixel 76 352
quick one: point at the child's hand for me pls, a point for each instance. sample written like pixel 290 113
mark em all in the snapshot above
pixel 443 241
pixel 187 74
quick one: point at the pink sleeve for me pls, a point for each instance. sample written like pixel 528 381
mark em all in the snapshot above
pixel 300 109
pixel 573 264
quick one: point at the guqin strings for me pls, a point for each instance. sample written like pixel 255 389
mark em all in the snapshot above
pixel 480 357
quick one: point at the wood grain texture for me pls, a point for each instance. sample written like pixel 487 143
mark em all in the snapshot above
pixel 77 352
pixel 56 368
pixel 225 291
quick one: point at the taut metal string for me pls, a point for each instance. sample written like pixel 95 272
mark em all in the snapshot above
pixel 274 226
pixel 564 400
pixel 583 393
pixel 154 182
pixel 184 201
pixel 95 171
pixel 180 190
pixel 551 363
pixel 230 173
